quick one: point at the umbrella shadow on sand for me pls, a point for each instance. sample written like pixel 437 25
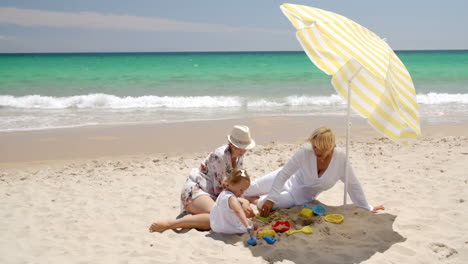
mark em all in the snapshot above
pixel 356 239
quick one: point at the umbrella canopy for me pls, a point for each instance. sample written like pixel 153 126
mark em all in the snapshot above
pixel 366 72
pixel 363 66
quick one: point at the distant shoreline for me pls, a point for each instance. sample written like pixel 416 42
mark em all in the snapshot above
pixel 198 52
pixel 185 137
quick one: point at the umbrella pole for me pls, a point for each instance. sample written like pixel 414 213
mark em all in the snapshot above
pixel 348 135
pixel 348 131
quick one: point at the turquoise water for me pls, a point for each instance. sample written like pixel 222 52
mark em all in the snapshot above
pixel 59 90
pixel 437 71
pixel 184 74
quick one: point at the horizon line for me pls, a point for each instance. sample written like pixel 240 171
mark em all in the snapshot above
pixel 227 51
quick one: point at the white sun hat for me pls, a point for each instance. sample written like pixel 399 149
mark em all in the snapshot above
pixel 240 137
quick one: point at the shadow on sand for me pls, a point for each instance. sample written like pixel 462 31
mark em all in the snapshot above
pixel 356 239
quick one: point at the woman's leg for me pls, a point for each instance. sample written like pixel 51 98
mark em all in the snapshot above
pixel 199 217
pixel 261 185
pixel 200 205
pixel 199 221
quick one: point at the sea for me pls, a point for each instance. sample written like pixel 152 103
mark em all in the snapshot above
pixel 59 90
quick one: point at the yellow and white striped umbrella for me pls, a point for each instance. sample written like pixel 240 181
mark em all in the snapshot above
pixel 381 87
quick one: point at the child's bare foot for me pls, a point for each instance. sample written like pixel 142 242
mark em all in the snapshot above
pixel 159 226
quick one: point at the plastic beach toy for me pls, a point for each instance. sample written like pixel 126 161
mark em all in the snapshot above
pixel 307 212
pixel 305 230
pixel 334 218
pixel 252 241
pixel 281 226
pixel 318 209
pixel 263 218
pixel 266 232
pixel 270 240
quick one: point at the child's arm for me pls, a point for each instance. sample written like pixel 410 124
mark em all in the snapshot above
pixel 235 205
pixel 249 213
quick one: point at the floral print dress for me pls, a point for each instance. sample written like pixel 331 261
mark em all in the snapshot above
pixel 208 178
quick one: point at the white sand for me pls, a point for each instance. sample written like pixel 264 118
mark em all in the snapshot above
pixel 99 210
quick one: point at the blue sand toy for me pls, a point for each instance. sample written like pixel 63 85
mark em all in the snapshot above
pixel 252 241
pixel 318 209
pixel 269 239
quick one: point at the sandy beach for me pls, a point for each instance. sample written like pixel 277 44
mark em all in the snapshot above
pixel 88 195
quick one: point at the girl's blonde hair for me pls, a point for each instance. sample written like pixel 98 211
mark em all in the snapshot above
pixel 323 138
pixel 236 176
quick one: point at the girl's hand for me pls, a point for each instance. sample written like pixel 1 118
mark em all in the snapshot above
pixel 251 230
pixel 266 208
pixel 377 208
pixel 249 213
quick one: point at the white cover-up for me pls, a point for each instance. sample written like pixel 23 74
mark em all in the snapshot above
pixel 208 178
pixel 298 182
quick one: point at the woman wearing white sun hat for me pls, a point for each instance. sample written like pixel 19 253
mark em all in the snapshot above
pixel 204 183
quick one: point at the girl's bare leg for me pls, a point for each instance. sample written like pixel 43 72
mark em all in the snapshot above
pixel 199 209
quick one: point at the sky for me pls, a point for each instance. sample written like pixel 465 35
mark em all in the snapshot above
pixel 215 25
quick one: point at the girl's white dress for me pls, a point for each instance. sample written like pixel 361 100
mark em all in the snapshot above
pixel 222 218
pixel 298 182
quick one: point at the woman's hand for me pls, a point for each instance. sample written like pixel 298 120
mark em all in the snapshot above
pixel 377 208
pixel 266 208
pixel 249 213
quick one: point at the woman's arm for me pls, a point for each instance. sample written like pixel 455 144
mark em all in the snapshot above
pixel 216 171
pixel 283 175
pixel 356 192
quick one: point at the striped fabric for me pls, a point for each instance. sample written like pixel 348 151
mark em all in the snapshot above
pixel 382 90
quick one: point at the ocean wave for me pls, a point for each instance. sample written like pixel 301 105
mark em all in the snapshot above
pixel 442 98
pixel 115 102
pixel 106 101
pixel 297 101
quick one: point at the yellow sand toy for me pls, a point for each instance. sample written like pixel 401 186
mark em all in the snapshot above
pixel 307 212
pixel 266 232
pixel 305 230
pixel 334 218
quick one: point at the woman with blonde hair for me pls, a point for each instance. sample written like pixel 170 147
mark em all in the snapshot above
pixel 315 167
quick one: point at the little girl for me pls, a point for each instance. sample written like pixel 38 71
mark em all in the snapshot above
pixel 227 215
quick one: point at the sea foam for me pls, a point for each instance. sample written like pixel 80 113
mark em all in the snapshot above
pixel 115 102
pixel 106 101
pixel 442 98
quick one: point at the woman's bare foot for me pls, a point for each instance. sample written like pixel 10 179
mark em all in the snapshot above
pixel 159 226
